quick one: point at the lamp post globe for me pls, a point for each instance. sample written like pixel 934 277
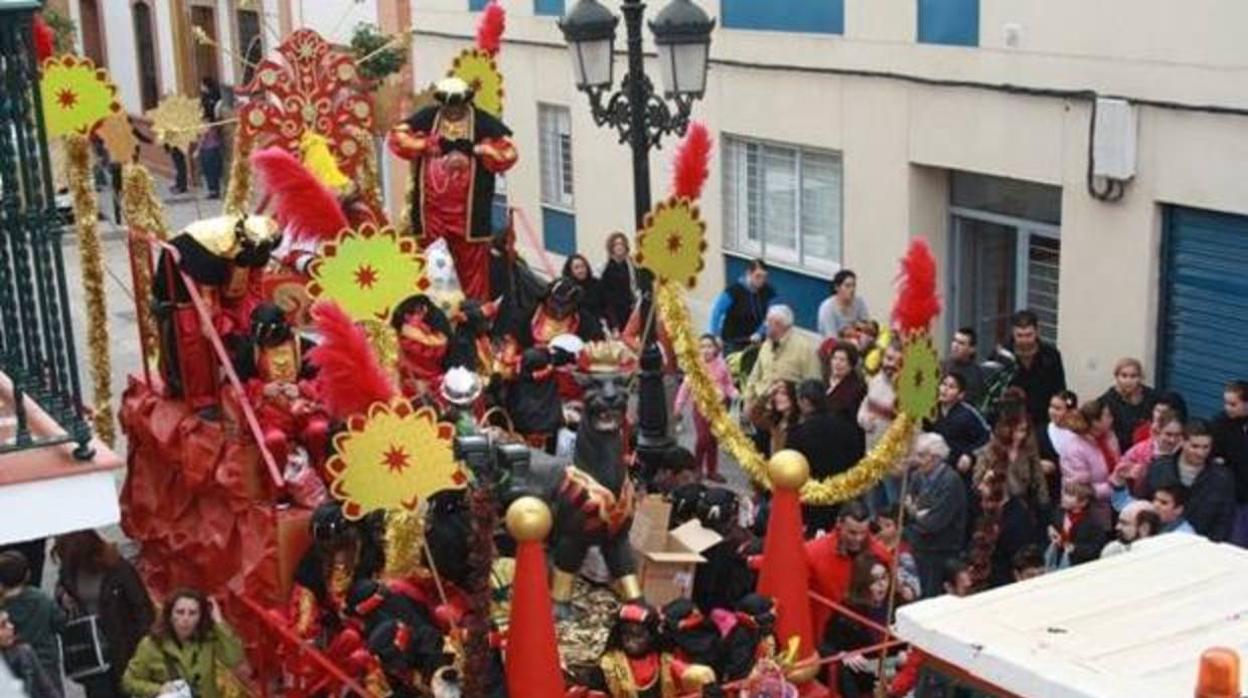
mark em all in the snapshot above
pixel 589 29
pixel 682 36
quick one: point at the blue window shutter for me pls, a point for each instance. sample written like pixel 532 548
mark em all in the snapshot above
pixel 477 5
pixel 1204 302
pixel 498 212
pixel 809 16
pixel 951 22
pixel 558 231
pixel 548 7
pixel 800 292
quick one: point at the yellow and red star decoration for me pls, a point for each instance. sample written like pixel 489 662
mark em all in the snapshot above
pixel 394 458
pixel 76 95
pixel 672 242
pixel 919 377
pixel 478 68
pixel 368 272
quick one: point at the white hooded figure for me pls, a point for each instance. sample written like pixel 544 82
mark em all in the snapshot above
pixel 444 286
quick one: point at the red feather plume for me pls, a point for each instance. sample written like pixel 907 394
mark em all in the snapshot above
pixel 693 158
pixel 917 302
pixel 45 39
pixel 490 28
pixel 302 205
pixel 349 376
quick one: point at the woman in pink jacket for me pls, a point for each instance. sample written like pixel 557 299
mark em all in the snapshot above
pixel 706 449
pixel 1164 438
pixel 1092 455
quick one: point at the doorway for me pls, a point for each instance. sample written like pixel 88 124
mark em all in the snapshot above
pixel 92 32
pixel 1002 264
pixel 206 53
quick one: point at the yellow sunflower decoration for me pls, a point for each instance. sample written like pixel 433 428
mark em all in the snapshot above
pixel 672 242
pixel 368 272
pixel 478 68
pixel 393 459
pixel 76 95
pixel 177 121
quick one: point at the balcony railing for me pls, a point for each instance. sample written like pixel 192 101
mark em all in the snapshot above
pixel 36 336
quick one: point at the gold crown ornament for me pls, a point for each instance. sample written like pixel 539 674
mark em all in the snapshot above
pixel 605 357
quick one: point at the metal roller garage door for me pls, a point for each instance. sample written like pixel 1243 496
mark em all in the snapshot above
pixel 1204 305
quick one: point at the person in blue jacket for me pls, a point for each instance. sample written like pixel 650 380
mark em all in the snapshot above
pixel 739 312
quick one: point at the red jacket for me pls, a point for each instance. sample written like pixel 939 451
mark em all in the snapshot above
pixel 831 569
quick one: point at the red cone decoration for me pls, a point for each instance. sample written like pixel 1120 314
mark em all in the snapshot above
pixel 917 302
pixel 532 652
pixel 785 576
pixel 692 163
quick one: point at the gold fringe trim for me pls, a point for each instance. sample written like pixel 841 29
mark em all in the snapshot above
pixel 238 191
pixel 86 219
pixel 143 215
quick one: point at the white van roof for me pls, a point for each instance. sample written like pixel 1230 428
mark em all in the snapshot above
pixel 1129 626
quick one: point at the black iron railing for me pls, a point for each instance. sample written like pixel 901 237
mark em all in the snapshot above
pixel 36 335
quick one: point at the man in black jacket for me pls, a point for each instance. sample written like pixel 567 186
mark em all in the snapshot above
pixel 1230 446
pixel 1211 501
pixel 738 314
pixel 1040 372
pixel 937 514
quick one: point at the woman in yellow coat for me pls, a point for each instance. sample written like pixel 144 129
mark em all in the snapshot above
pixel 189 642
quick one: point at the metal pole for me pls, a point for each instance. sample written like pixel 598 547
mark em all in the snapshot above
pixel 638 90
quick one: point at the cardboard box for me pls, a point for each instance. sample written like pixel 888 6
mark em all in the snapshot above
pixel 667 560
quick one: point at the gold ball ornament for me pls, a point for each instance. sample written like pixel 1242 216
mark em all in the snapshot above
pixel 788 470
pixel 528 519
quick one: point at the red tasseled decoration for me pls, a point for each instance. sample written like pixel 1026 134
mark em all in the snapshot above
pixel 693 158
pixel 302 205
pixel 45 39
pixel 490 28
pixel 349 376
pixel 917 302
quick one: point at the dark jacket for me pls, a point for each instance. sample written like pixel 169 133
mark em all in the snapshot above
pixel 1045 378
pixel 1017 531
pixel 964 430
pixel 1210 501
pixel 1128 417
pixel 746 311
pixel 1088 539
pixel 38 620
pixel 847 396
pixel 619 290
pixel 943 527
pixel 844 634
pixel 831 443
pixel 125 611
pixel 1230 444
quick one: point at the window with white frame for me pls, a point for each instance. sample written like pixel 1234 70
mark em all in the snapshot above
pixel 783 203
pixel 555 134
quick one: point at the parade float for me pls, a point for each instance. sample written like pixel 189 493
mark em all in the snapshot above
pixel 340 424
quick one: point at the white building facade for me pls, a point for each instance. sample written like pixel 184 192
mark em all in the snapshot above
pixel 845 127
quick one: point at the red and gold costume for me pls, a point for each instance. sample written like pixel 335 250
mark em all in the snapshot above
pixel 456 150
pixel 223 258
pixel 421 351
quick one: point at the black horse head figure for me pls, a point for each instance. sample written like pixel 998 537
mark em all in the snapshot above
pixel 604 370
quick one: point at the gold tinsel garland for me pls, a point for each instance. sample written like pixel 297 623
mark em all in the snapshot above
pixel 370 183
pixel 238 191
pixel 86 219
pixel 143 214
pixel 865 474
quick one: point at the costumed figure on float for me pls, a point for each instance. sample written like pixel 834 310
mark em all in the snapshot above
pixel 456 149
pixel 635 664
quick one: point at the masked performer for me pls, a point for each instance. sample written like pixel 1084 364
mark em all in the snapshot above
pixel 633 664
pixel 424 337
pixel 456 150
pixel 224 259
pixel 748 636
pixel 278 386
pixel 690 636
pixel 342 553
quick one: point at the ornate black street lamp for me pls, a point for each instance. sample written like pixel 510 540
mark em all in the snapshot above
pixel 642 116
pixel 682 37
